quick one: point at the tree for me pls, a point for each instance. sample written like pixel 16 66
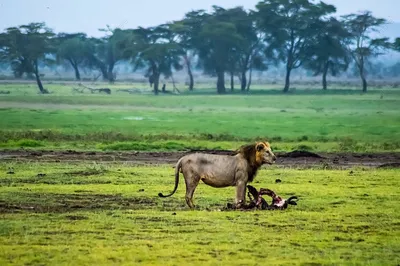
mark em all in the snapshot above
pixel 104 54
pixel 396 45
pixel 216 43
pixel 361 46
pixel 246 53
pixel 327 53
pixel 289 27
pixel 185 31
pixel 25 47
pixel 73 48
pixel 249 55
pixel 153 48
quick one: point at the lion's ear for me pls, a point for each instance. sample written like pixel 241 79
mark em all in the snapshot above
pixel 259 146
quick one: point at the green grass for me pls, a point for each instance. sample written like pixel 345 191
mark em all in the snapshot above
pixel 345 119
pixel 99 214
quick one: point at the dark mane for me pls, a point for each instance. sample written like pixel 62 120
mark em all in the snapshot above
pixel 249 153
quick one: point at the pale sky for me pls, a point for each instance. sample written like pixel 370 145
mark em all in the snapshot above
pixel 90 15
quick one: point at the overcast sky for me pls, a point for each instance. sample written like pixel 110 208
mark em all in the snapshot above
pixel 90 15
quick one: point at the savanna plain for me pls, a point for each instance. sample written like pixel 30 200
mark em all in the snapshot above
pixel 66 197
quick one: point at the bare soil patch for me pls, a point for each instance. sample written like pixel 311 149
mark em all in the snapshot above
pixel 60 203
pixel 299 159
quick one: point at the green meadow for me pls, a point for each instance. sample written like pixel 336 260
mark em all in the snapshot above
pixel 96 213
pixel 312 119
pixel 88 213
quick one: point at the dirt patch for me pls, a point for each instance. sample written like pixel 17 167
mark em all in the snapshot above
pixel 298 159
pixel 300 154
pixel 390 165
pixel 61 203
pixel 85 201
pixel 86 172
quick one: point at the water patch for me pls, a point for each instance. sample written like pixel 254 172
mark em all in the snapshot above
pixel 141 118
pixel 136 118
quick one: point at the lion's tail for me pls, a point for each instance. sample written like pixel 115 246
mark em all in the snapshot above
pixel 177 169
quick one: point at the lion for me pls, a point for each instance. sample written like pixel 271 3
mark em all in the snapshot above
pixel 222 170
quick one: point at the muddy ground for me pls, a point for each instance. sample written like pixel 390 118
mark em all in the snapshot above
pixel 293 159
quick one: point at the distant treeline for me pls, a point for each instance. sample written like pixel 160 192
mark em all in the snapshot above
pixel 295 33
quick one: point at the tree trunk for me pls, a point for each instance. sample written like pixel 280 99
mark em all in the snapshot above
pixel 287 80
pixel 189 70
pixel 103 72
pixel 232 81
pixel 324 74
pixel 156 82
pixel 76 69
pixel 110 75
pixel 38 81
pixel 220 81
pixel 77 74
pixel 243 81
pixel 362 75
pixel 364 83
pixel 191 81
pixel 250 78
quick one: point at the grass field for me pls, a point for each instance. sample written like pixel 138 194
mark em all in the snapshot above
pixel 108 212
pixel 336 120
pixel 111 215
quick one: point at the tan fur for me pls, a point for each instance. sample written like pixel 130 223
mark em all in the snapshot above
pixel 223 170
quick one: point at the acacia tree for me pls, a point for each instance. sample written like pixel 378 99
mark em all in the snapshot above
pixel 361 46
pixel 185 32
pixel 289 27
pixel 250 53
pixel 327 53
pixel 152 48
pixel 25 47
pixel 216 43
pixel 246 54
pixel 104 54
pixel 73 48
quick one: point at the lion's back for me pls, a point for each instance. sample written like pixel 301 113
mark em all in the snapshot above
pixel 219 165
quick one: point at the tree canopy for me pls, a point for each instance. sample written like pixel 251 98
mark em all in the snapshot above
pixel 24 47
pixel 74 49
pixel 233 41
pixel 361 45
pixel 327 52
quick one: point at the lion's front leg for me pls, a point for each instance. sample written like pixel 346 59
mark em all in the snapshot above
pixel 240 194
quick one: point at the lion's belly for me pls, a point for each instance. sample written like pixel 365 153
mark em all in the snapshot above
pixel 217 181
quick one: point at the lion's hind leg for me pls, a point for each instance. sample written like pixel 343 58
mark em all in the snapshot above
pixel 191 180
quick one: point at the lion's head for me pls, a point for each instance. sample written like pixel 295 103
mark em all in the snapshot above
pixel 264 153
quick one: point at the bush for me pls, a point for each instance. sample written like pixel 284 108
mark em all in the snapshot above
pixel 29 143
pixel 303 147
